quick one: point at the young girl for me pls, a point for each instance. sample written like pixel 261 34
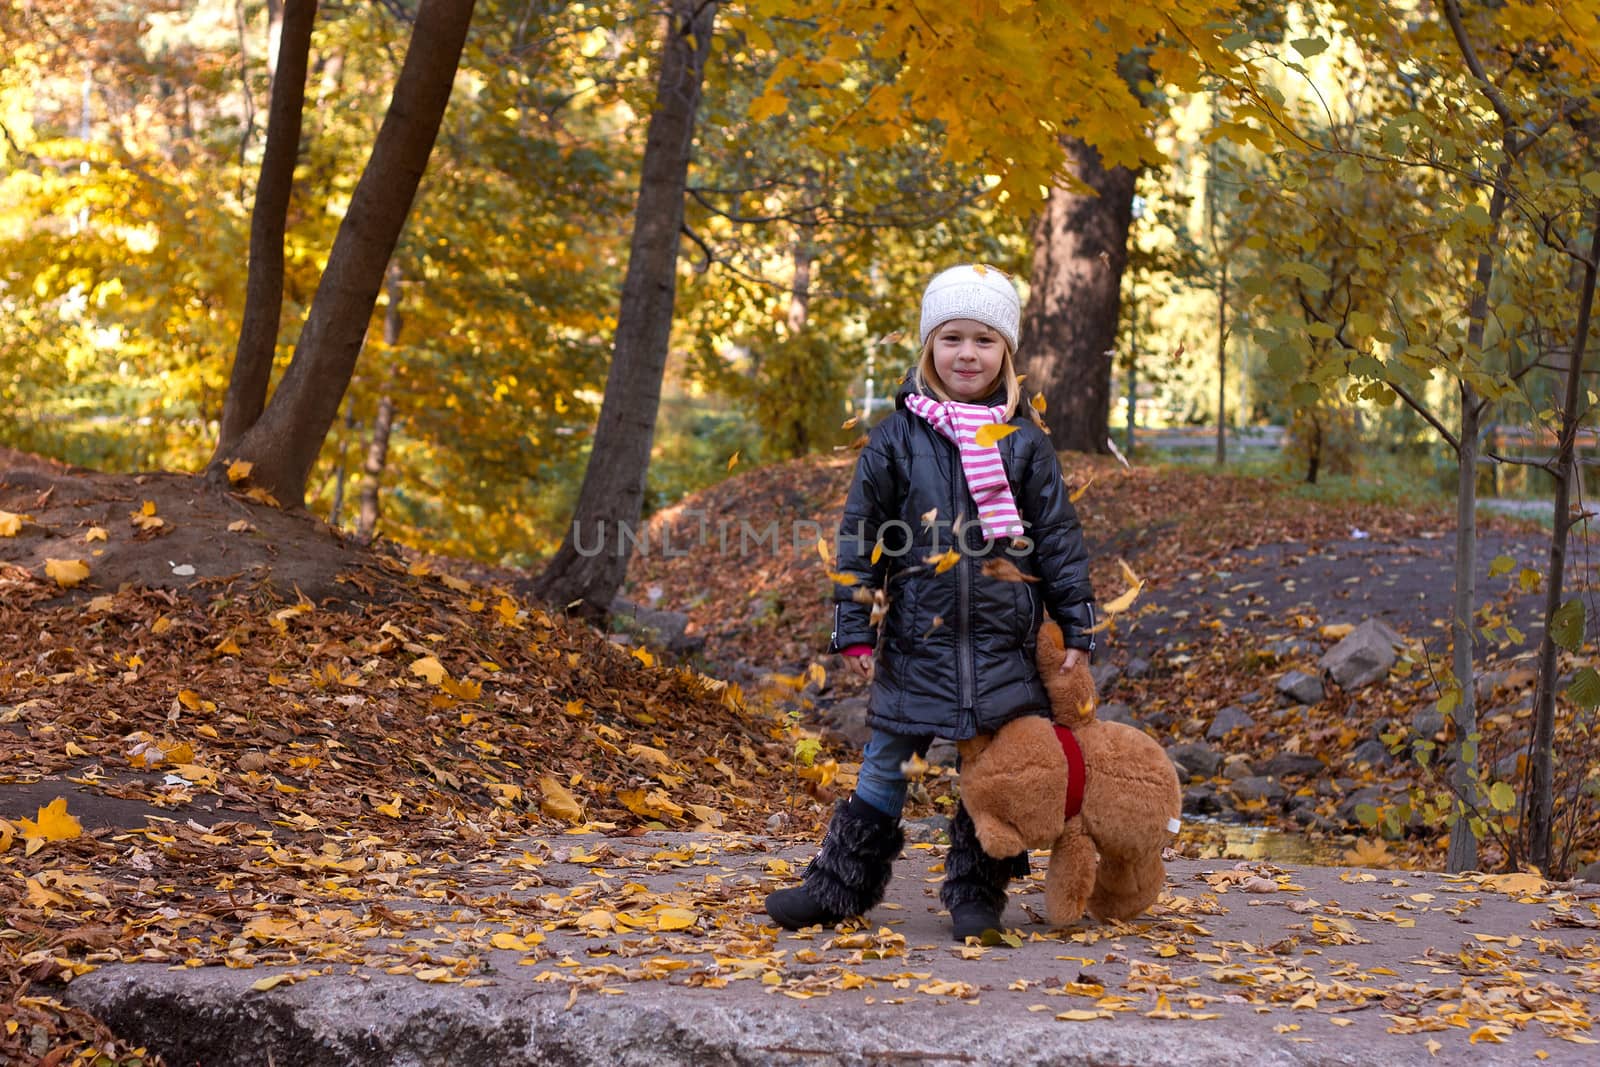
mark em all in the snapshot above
pixel 956 653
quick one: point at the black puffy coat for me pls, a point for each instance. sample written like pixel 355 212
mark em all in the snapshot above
pixel 956 655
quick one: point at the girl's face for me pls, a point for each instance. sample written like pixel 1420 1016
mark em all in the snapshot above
pixel 967 355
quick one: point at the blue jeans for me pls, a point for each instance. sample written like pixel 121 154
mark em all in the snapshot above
pixel 881 782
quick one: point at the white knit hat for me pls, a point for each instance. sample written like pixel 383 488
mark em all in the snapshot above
pixel 972 291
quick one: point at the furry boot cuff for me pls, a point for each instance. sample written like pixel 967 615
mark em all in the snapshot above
pixel 850 872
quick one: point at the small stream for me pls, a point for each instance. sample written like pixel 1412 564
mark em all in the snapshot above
pixel 1220 840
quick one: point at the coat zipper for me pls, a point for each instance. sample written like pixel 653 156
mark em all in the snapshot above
pixel 964 666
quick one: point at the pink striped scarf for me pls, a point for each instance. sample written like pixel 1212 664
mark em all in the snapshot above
pixel 986 472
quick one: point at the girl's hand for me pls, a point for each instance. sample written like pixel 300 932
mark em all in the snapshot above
pixel 862 664
pixel 1073 658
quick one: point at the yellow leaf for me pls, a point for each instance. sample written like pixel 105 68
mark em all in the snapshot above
pixel 261 985
pixel 10 524
pixel 391 809
pixel 768 105
pixel 1124 601
pixel 430 670
pixel 840 578
pixel 943 563
pixel 7 835
pixel 676 919
pixel 229 647
pixel 261 496
pixel 1077 494
pixel 53 824
pixel 95 533
pixel 161 625
pixel 1038 403
pixel 239 470
pixel 240 526
pixel 66 572
pixel 988 435
pixel 1081 1015
pixel 557 802
pixel 596 919
pixel 732 460
pixel 1335 631
pixel 1484 1033
pixel 877 553
pixel 452 582
pixel 650 755
pixel 507 940
pixel 189 699
pixel 643 656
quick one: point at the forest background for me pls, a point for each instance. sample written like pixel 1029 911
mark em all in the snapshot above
pixel 1372 223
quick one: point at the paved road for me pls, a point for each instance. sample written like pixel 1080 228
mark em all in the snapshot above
pixel 1253 965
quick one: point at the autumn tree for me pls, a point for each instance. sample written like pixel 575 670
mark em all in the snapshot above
pixel 611 499
pixel 283 443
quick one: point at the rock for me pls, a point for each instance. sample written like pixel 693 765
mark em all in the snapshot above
pixel 1287 764
pixel 1258 787
pixel 666 629
pixel 1137 667
pixel 1255 696
pixel 1105 675
pixel 1301 687
pixel 848 719
pixel 1117 712
pixel 1486 683
pixel 1372 752
pixel 1347 807
pixel 1363 657
pixel 1158 721
pixel 942 753
pixel 1590 873
pixel 1289 648
pixel 1201 800
pixel 1236 767
pixel 1195 760
pixel 925 831
pixel 1227 720
pixel 1428 721
pixel 1508 768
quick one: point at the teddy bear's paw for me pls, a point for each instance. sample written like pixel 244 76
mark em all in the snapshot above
pixel 999 840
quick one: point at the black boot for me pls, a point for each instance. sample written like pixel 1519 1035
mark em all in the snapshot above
pixel 974 889
pixel 849 873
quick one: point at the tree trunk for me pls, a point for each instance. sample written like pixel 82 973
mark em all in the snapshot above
pixel 1462 854
pixel 1222 364
pixel 284 442
pixel 1541 791
pixel 263 301
pixel 372 470
pixel 1069 328
pixel 378 446
pixel 612 497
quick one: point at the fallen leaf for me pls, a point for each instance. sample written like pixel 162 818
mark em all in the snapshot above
pixel 66 573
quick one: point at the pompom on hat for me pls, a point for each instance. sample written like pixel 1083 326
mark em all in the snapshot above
pixel 972 291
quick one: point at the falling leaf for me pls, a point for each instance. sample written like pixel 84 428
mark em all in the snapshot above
pixel 66 573
pixel 53 824
pixel 1039 403
pixel 239 470
pixel 733 460
pixel 1077 494
pixel 850 423
pixel 987 436
pixel 10 524
pixel 915 768
pixel 1002 569
pixel 1125 600
pixel 944 562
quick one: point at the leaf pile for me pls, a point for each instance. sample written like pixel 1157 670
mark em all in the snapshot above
pixel 322 754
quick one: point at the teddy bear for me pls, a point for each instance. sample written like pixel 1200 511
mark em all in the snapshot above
pixel 1017 784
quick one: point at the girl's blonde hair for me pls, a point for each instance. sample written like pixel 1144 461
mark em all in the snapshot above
pixel 927 380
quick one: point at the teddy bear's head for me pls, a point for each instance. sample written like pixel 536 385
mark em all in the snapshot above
pixel 1072 696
